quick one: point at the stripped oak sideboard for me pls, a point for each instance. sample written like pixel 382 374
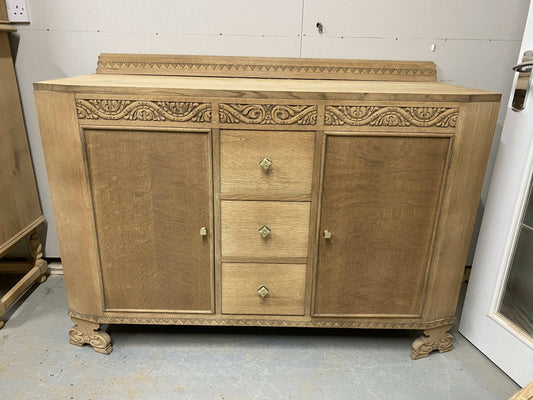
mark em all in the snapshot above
pixel 264 192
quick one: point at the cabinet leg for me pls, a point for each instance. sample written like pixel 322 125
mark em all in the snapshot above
pixel 432 339
pixel 37 256
pixel 89 332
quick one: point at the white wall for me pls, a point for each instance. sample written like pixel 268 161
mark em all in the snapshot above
pixel 477 41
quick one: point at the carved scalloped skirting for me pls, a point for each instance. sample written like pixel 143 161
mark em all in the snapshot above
pixel 318 323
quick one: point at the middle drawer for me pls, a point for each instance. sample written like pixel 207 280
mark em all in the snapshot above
pixel 254 229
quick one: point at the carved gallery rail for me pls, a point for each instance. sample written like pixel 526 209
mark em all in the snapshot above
pixel 341 196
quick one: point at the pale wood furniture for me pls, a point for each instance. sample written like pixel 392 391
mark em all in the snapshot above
pixel 525 394
pixel 20 210
pixel 194 190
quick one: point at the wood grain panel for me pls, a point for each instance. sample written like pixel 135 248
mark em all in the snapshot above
pixel 379 200
pixel 285 91
pixel 291 154
pixel 471 148
pixel 151 193
pixel 71 198
pixel 241 221
pixel 285 283
pixel 19 202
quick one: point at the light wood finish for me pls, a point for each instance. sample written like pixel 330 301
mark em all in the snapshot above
pixel 471 148
pixel 71 199
pixel 432 339
pixel 151 197
pixel 5 25
pixel 379 200
pixel 36 273
pixel 20 210
pixel 282 90
pixel 19 202
pixel 89 332
pixel 240 223
pixel 291 155
pixel 392 169
pixel 285 284
pixel 294 68
pixel 525 393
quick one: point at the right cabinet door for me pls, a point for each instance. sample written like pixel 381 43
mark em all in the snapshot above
pixel 379 208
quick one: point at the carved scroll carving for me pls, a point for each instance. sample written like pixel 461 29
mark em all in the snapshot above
pixel 432 339
pixel 142 110
pixel 262 322
pixel 267 114
pixel 89 332
pixel 440 117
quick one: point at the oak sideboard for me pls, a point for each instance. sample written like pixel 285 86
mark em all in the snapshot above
pixel 264 192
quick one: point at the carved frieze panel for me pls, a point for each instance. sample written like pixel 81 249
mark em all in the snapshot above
pixel 267 114
pixel 142 110
pixel 391 116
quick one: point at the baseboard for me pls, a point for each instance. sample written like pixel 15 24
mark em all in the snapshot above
pixel 55 268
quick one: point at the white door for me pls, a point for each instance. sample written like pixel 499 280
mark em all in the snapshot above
pixel 498 312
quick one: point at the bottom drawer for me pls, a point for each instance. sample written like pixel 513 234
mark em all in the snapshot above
pixel 270 289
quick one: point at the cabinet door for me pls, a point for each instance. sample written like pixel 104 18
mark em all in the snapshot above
pixel 379 201
pixel 151 195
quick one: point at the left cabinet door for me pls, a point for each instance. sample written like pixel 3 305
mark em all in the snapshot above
pixel 152 199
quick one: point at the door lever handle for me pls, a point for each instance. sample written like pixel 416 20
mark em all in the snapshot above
pixel 523 66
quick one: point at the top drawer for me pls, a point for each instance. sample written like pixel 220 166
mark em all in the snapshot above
pixel 287 168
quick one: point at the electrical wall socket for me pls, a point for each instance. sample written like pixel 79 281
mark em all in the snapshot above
pixel 17 11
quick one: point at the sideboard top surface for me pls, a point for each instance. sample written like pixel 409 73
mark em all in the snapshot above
pixel 266 88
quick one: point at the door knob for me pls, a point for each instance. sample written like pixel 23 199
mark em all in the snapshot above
pixel 327 234
pixel 203 231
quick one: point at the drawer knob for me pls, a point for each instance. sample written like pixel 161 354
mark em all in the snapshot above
pixel 327 234
pixel 203 231
pixel 264 231
pixel 263 291
pixel 266 163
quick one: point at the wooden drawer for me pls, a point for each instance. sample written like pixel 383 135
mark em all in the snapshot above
pixel 241 222
pixel 284 289
pixel 291 154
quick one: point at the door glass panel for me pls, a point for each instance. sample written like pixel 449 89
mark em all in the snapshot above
pixel 517 301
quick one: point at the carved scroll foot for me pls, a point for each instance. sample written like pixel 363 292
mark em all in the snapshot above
pixel 37 256
pixel 432 339
pixel 89 332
